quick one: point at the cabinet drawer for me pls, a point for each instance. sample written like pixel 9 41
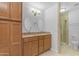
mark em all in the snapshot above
pixel 47 36
pixel 34 38
pixel 27 39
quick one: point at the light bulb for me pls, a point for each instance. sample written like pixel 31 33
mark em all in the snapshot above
pixel 63 10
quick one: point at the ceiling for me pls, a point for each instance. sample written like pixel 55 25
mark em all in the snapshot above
pixel 69 5
pixel 45 5
pixel 40 5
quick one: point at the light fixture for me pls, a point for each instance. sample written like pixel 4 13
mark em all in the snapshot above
pixel 35 12
pixel 63 10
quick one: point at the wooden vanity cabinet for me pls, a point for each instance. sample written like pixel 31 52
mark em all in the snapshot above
pixel 4 9
pixel 35 45
pixel 30 46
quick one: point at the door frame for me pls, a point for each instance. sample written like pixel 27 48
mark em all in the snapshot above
pixel 59 28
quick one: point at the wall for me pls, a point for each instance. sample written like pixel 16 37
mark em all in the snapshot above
pixel 31 23
pixel 51 24
pixel 74 26
pixel 48 22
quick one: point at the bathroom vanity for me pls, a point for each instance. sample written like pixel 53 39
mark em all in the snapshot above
pixel 36 43
pixel 12 41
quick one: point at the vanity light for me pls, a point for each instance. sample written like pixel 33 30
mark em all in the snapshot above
pixel 35 12
pixel 62 10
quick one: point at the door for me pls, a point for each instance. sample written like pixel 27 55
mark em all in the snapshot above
pixel 28 48
pixel 4 37
pixel 41 44
pixel 64 28
pixel 15 11
pixel 34 47
pixel 47 42
pixel 4 9
pixel 15 28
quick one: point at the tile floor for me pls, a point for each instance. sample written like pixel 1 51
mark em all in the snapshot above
pixel 65 51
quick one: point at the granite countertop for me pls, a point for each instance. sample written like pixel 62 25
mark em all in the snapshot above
pixel 34 34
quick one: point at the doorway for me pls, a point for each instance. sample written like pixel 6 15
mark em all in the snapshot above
pixel 64 28
pixel 69 26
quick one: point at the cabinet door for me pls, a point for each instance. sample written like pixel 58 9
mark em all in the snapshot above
pixel 4 9
pixel 41 45
pixel 15 28
pixel 47 42
pixel 28 49
pixel 35 48
pixel 15 50
pixel 4 37
pixel 4 51
pixel 16 11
